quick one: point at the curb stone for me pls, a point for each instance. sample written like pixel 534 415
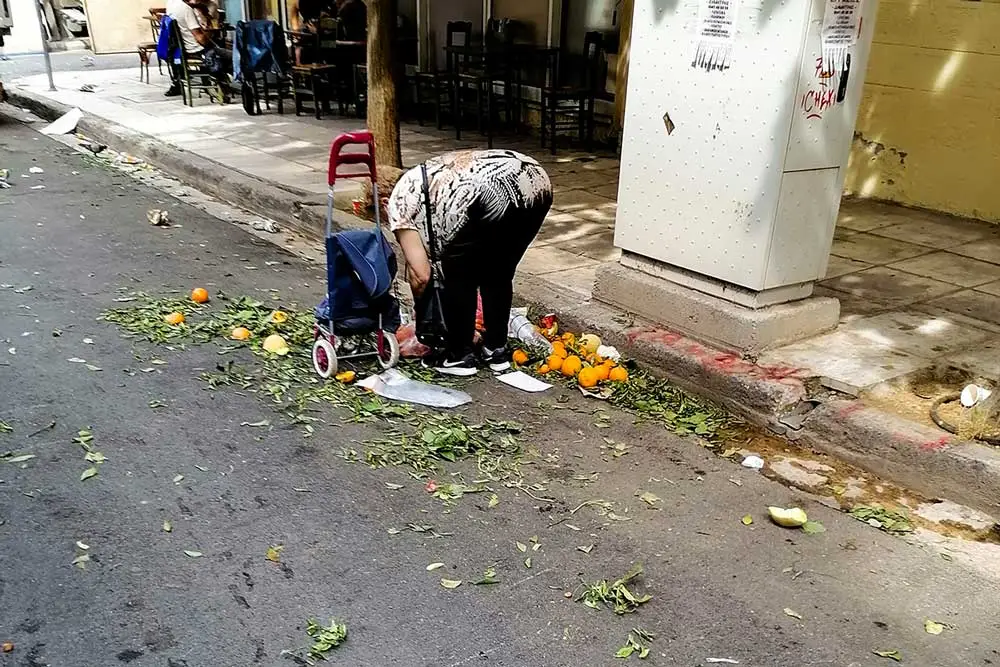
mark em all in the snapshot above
pixel 927 460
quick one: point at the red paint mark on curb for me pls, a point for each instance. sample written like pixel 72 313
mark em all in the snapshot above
pixel 850 409
pixel 936 445
pixel 714 360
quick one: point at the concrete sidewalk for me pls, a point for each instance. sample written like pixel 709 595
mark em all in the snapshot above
pixel 918 290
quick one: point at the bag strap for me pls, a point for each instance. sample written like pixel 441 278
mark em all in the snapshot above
pixel 431 240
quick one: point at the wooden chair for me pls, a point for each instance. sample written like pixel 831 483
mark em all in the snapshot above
pixel 194 74
pixel 437 86
pixel 313 83
pixel 572 105
pixel 145 49
pixel 477 79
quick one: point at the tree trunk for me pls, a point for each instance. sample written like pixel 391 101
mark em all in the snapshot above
pixel 383 109
pixel 621 72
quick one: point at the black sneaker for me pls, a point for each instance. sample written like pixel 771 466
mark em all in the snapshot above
pixel 173 91
pixel 497 360
pixel 462 367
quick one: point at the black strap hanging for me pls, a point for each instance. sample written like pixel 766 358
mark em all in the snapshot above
pixel 428 226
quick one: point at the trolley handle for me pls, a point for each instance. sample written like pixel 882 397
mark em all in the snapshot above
pixel 338 158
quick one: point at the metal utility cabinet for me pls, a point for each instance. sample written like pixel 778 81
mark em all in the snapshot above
pixel 734 150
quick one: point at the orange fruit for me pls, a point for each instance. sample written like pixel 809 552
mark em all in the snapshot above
pixel 520 357
pixel 588 377
pixel 543 369
pixel 174 318
pixel 603 371
pixel 279 316
pixel 559 349
pixel 571 366
pixel 199 295
pixel 240 333
pixel 618 374
pixel 554 362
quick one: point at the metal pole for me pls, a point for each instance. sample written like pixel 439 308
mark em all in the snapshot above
pixel 45 43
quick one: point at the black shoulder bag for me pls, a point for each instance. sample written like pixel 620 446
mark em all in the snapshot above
pixel 430 325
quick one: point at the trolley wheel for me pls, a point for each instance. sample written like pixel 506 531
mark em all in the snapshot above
pixel 324 358
pixel 388 352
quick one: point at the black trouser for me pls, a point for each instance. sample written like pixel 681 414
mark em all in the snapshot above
pixel 177 74
pixel 482 258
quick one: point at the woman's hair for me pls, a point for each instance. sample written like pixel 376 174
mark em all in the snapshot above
pixel 387 179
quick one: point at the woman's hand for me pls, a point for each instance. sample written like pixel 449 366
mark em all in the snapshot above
pixel 418 266
pixel 418 280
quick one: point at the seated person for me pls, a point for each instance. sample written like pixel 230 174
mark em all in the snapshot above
pixel 196 40
pixel 353 18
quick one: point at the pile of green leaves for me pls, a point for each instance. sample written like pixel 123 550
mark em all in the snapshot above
pixel 325 638
pixel 436 438
pixel 616 595
pixel 656 399
pixel 417 439
pixel 637 643
pixel 895 523
pixel 205 322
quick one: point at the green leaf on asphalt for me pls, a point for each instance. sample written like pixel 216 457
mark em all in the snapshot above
pixel 262 422
pixel 325 638
pixel 892 655
pixel 625 651
pixel 451 583
pixel 813 528
pixel 19 459
pixel 94 457
pixel 933 627
pixel 617 595
pixel 81 545
pixel 81 561
pixel 5 427
pixel 521 546
pixel 747 520
pixel 489 577
pixel 88 473
pixel 434 566
pixel 393 487
pixel 882 518
pixel 274 553
pixel 192 554
pixel 83 438
pixel 793 614
pixel 178 479
pixel 650 498
pixel 587 549
pixel 494 500
pixel 527 563
pixel 167 527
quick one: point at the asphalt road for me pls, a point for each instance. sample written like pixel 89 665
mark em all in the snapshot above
pixel 720 589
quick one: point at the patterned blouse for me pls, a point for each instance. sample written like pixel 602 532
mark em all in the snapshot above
pixel 467 185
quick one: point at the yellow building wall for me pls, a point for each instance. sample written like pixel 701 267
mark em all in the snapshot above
pixel 928 131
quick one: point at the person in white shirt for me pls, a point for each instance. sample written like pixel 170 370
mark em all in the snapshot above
pixel 195 38
pixel 486 206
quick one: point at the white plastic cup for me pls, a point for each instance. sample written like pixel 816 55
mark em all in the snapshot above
pixel 973 394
